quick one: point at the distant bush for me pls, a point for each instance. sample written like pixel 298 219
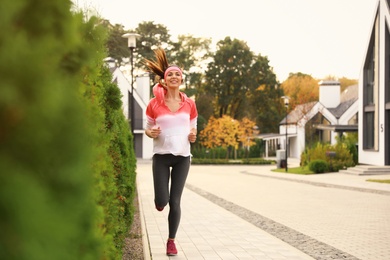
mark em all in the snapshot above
pixel 337 156
pixel 319 166
pixel 255 151
pixel 230 161
pixel 350 141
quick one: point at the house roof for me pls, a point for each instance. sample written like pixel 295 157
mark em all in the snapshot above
pixel 298 113
pixel 347 98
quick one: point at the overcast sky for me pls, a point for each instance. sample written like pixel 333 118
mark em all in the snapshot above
pixel 315 37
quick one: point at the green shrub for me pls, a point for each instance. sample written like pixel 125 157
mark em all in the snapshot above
pixel 317 152
pixel 341 159
pixel 319 166
pixel 350 140
pixel 47 192
pixel 67 177
pixel 258 149
pixel 202 152
pixel 119 197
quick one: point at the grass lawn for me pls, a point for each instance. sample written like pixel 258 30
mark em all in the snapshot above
pixel 296 170
pixel 380 181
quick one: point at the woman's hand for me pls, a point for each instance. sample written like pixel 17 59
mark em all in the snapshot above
pixel 154 132
pixel 192 136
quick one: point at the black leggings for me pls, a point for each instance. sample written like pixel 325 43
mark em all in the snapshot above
pixel 162 164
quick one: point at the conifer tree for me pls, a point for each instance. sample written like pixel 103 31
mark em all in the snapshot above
pixel 55 143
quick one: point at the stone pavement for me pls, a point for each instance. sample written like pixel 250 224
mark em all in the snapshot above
pixel 249 212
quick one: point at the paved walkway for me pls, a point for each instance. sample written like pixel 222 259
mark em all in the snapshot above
pixel 249 212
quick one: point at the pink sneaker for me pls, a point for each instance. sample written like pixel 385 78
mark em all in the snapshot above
pixel 171 248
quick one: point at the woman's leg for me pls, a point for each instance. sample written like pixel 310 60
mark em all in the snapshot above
pixel 178 178
pixel 161 172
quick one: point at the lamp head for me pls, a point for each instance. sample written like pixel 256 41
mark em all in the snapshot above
pixel 131 39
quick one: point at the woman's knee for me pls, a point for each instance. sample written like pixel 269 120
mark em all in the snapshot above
pixel 174 204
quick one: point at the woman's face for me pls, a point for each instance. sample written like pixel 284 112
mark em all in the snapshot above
pixel 173 79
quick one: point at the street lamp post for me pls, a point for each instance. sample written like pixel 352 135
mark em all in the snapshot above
pixel 131 43
pixel 286 98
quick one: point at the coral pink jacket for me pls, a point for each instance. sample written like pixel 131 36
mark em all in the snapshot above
pixel 175 126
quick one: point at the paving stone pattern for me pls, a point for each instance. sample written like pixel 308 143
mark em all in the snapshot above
pixel 250 212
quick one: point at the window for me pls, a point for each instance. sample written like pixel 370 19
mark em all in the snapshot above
pixel 387 65
pixel 314 135
pixel 369 76
pixel 387 94
pixel 354 120
pixel 369 136
pixel 370 90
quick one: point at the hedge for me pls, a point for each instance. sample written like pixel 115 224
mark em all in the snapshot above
pixel 67 170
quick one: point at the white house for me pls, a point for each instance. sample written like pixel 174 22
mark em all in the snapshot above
pixel 374 88
pixel 334 114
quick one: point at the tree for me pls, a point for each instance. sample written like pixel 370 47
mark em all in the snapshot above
pixel 344 82
pixel 246 133
pixel 190 53
pixel 233 79
pixel 116 45
pixel 265 99
pixel 152 37
pixel 222 132
pixel 209 135
pixel 204 104
pixel 301 88
pixel 269 108
pixel 230 76
pixel 227 133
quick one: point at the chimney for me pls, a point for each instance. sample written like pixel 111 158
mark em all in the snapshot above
pixel 330 93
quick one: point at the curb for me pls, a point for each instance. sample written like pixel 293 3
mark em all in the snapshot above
pixel 145 237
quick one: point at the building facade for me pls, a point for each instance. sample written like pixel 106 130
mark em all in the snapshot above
pixel 374 88
pixel 334 114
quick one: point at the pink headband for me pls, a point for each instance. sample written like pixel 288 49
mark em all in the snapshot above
pixel 171 68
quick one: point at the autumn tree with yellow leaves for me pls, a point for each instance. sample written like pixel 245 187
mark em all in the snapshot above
pixel 246 134
pixel 227 133
pixel 301 88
